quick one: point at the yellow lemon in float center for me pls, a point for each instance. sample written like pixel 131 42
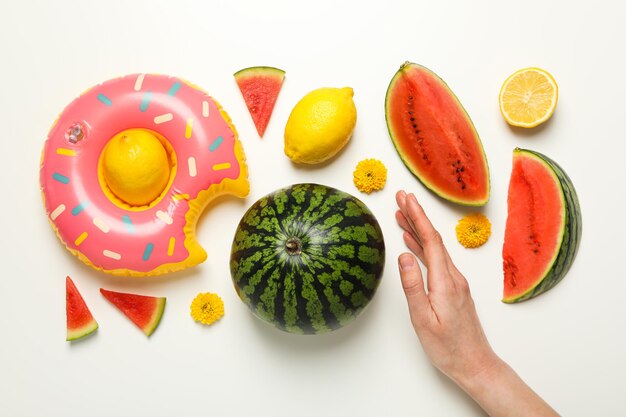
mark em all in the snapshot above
pixel 320 125
pixel 136 166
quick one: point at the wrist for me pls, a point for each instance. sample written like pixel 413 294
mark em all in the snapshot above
pixel 501 392
pixel 478 380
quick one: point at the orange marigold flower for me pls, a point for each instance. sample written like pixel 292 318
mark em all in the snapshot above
pixel 473 230
pixel 370 175
pixel 207 308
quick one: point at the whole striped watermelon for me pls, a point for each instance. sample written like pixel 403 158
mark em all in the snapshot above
pixel 307 258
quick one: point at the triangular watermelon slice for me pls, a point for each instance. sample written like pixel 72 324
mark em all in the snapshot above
pixel 260 87
pixel 143 310
pixel 80 322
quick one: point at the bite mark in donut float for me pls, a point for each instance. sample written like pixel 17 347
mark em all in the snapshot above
pixel 181 133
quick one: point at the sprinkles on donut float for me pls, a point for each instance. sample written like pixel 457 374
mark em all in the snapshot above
pixel 129 166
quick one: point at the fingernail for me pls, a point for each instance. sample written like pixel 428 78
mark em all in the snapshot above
pixel 406 261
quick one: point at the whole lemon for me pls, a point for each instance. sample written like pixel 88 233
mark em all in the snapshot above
pixel 320 125
pixel 136 166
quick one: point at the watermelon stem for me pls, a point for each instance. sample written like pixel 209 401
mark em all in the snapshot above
pixel 294 246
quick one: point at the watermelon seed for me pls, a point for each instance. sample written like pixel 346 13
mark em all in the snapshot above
pixel 511 268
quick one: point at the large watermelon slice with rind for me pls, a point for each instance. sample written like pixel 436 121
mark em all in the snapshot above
pixel 543 226
pixel 260 87
pixel 80 321
pixel 435 137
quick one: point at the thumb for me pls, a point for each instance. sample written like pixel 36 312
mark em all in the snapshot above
pixel 413 285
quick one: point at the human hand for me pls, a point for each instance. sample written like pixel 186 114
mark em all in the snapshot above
pixel 444 318
pixel 447 325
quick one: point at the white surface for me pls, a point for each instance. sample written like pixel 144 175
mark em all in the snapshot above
pixel 569 344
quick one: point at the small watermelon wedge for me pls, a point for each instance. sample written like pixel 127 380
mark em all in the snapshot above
pixel 143 310
pixel 260 87
pixel 80 322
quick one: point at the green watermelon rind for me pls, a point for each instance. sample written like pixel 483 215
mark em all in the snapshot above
pixel 570 236
pixel 267 281
pixel 260 70
pixel 405 159
pixel 154 322
pixel 83 331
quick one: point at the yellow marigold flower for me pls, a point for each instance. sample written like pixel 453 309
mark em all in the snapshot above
pixel 370 175
pixel 207 308
pixel 473 230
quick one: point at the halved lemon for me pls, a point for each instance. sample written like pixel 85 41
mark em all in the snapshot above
pixel 528 97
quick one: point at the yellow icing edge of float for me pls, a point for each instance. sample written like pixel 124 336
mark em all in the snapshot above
pixel 239 187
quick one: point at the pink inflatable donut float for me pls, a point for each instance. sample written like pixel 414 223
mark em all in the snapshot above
pixel 205 160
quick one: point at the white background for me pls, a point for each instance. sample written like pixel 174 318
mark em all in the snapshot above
pixel 568 344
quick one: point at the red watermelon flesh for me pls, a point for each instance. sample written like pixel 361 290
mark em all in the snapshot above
pixel 435 137
pixel 80 322
pixel 145 311
pixel 260 87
